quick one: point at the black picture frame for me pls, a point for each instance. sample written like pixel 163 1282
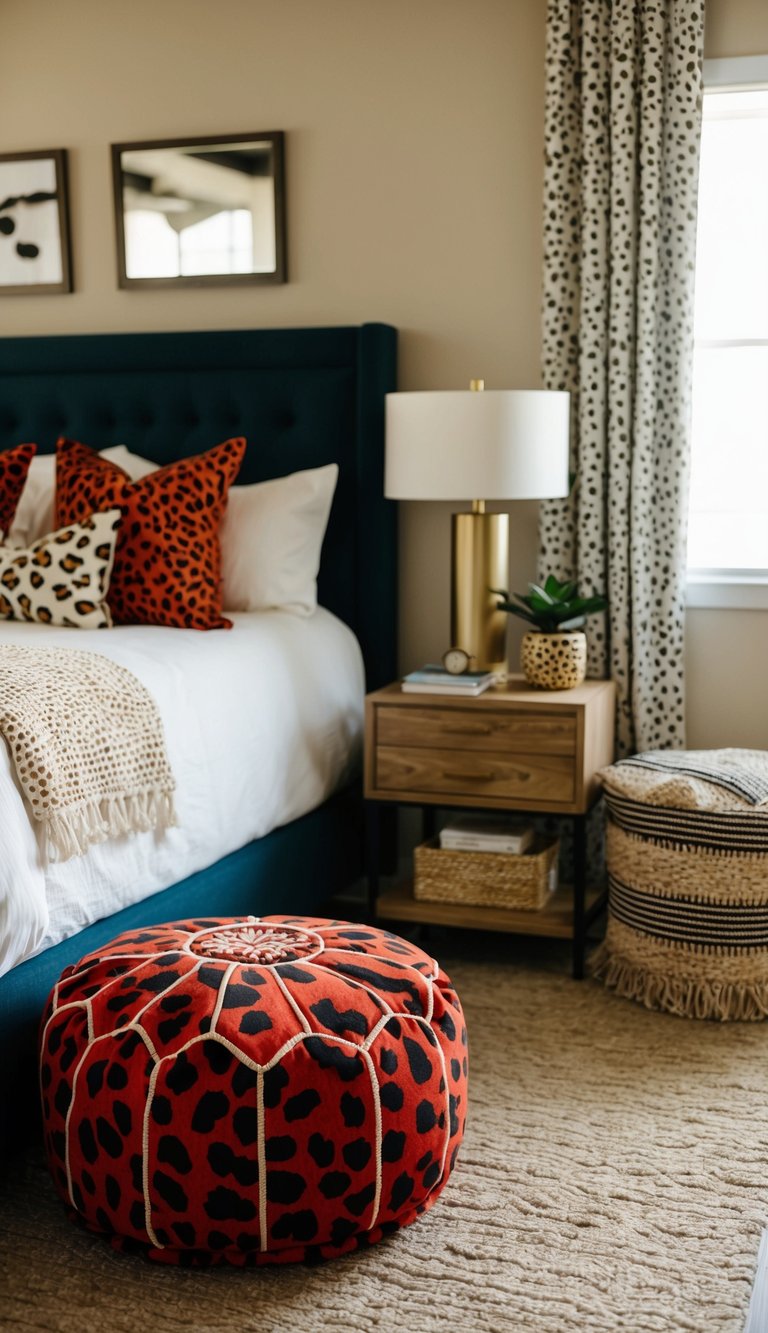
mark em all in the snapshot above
pixel 12 230
pixel 207 144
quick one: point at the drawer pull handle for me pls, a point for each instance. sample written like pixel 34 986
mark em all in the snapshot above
pixel 469 777
pixel 466 731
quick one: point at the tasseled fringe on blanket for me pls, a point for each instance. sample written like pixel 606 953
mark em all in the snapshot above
pixel 70 833
pixel 684 996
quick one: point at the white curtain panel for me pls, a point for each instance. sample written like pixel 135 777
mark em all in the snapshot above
pixel 623 117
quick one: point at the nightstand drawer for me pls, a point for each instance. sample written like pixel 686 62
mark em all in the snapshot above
pixel 473 773
pixel 483 729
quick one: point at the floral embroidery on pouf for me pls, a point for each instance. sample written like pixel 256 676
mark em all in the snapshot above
pixel 258 944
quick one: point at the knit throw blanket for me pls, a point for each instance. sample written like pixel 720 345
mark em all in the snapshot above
pixel 87 743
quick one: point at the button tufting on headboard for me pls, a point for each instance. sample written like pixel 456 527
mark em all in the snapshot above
pixel 301 397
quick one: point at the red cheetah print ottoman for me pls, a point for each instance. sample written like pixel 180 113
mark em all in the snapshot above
pixel 252 1091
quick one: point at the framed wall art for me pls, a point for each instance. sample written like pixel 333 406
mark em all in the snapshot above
pixel 197 212
pixel 34 223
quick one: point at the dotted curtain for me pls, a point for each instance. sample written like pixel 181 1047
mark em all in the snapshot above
pixel 623 122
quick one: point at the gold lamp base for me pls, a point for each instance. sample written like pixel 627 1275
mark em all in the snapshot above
pixel 480 561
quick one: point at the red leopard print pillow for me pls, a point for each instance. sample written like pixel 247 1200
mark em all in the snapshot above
pixel 168 561
pixel 14 466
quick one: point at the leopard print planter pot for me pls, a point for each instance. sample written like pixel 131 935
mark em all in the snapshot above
pixel 252 1091
pixel 554 661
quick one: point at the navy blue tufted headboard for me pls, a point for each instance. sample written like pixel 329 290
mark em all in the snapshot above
pixel 302 397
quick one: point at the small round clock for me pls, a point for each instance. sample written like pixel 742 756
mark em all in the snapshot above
pixel 456 661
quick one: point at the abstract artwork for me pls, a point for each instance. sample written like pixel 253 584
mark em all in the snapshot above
pixel 34 229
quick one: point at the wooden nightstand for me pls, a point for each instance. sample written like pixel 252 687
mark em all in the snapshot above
pixel 513 748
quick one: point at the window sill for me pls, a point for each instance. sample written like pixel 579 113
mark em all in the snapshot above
pixel 739 590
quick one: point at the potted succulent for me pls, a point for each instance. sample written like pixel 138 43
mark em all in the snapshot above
pixel 553 654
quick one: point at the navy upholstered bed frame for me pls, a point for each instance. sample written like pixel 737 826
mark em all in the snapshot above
pixel 302 398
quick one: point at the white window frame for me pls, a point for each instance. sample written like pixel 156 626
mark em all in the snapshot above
pixel 731 589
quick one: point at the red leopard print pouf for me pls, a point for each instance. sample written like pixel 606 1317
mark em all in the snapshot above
pixel 253 1091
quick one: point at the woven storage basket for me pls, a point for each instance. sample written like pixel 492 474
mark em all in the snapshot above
pixel 486 879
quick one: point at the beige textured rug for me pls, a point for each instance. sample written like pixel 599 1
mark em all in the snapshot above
pixel 614 1177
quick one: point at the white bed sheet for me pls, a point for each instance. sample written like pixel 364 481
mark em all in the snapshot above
pixel 262 723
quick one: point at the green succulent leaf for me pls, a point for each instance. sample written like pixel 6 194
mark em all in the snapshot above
pixel 518 611
pixel 537 603
pixel 541 594
pixel 554 606
pixel 558 591
pixel 587 606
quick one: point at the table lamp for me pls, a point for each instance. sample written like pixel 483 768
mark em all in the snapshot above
pixel 499 444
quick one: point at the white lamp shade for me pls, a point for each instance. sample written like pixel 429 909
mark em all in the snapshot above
pixel 497 444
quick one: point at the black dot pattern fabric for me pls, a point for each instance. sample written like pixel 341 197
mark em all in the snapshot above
pixel 623 119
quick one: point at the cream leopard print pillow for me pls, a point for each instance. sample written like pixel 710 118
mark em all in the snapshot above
pixel 63 578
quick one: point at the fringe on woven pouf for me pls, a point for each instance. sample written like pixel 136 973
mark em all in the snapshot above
pixel 686 997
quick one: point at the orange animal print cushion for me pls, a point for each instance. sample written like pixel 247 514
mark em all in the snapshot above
pixel 168 561
pixel 14 466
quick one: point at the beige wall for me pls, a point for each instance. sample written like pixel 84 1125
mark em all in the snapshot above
pixel 727 653
pixel 414 180
pixel 415 132
pixel 736 28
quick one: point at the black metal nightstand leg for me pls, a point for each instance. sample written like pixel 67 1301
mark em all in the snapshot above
pixel 579 895
pixel 372 854
pixel 428 822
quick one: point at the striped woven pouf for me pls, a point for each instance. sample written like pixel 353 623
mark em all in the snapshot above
pixel 687 857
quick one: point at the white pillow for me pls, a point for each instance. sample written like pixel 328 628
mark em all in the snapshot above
pixel 34 514
pixel 271 539
pixel 136 466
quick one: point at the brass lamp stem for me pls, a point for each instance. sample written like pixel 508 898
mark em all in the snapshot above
pixel 480 544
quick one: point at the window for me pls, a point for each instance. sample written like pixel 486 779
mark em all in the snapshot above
pixel 728 518
pixel 158 247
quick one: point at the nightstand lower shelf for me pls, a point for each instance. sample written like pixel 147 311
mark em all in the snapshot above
pixel 514 749
pixel 555 920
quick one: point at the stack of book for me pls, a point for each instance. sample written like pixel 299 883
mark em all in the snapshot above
pixel 470 833
pixel 434 680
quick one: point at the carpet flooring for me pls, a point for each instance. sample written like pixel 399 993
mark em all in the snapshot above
pixel 614 1177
